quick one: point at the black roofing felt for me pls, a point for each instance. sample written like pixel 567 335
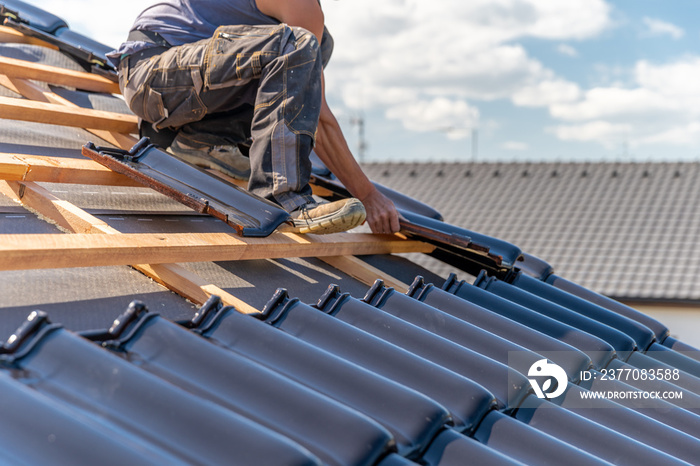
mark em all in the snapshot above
pixel 332 371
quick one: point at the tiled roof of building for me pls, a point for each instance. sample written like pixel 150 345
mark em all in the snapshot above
pixel 627 230
pixel 301 357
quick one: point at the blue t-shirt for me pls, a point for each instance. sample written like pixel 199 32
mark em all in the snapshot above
pixel 184 21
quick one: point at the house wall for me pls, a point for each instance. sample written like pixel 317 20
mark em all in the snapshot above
pixel 683 320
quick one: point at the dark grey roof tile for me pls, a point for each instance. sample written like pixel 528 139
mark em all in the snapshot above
pixel 109 389
pixel 451 448
pixel 529 445
pixel 397 363
pixel 624 344
pixel 36 429
pixel 591 437
pixel 412 418
pixel 338 435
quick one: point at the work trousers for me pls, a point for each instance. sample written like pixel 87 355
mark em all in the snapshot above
pixel 247 84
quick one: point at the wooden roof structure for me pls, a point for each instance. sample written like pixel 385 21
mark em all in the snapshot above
pixel 21 173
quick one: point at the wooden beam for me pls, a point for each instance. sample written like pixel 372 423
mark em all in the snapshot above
pixel 173 276
pixel 24 88
pixel 13 36
pixel 32 91
pixel 192 286
pixel 59 76
pixel 12 168
pixel 40 112
pixel 364 272
pixel 62 213
pixel 19 167
pixel 42 251
pixel 63 170
pixel 356 268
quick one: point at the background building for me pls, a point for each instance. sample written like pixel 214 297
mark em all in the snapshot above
pixel 626 230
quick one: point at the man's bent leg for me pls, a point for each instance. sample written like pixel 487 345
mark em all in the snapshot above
pixel 288 105
pixel 274 68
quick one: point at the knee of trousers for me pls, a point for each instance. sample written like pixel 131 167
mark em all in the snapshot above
pixel 302 47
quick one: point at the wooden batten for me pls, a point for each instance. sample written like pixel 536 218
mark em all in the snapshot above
pixel 63 213
pixel 71 218
pixel 31 91
pixel 19 167
pixel 63 170
pixel 362 271
pixel 42 251
pixel 41 112
pixel 114 248
pixel 191 286
pixel 13 36
pixel 14 68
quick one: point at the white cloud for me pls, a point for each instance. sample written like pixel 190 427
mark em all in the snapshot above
pixel 681 135
pixel 677 80
pixel 393 53
pixel 515 146
pixel 656 27
pixel 546 93
pixel 604 132
pixel 566 49
pixel 454 118
pixel 662 105
pixel 546 19
pixel 615 103
pixel 572 19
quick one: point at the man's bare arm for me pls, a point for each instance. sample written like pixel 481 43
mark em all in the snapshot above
pixel 331 146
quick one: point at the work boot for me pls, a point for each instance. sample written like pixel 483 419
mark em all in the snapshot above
pixel 226 159
pixel 325 218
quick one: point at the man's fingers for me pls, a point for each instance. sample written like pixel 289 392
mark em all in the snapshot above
pixel 395 226
pixel 385 222
pixel 382 215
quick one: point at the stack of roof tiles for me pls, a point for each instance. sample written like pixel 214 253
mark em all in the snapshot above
pixel 326 374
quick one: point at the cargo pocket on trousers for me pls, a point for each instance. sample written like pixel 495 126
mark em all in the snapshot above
pixel 179 107
pixel 238 54
pixel 151 105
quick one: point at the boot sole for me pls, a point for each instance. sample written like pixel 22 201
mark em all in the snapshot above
pixel 350 216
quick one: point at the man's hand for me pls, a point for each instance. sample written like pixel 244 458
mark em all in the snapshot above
pixel 382 216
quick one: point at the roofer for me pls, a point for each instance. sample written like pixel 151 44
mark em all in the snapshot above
pixel 246 76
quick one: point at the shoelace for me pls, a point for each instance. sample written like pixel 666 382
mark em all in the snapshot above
pixel 304 212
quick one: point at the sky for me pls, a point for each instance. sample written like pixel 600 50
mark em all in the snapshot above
pixel 496 80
